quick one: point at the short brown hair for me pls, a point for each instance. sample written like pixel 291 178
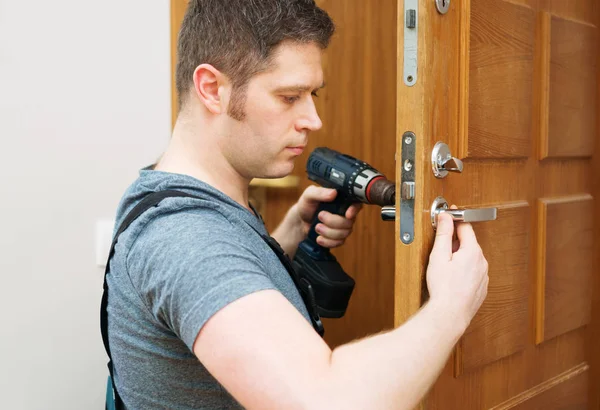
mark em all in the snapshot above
pixel 238 38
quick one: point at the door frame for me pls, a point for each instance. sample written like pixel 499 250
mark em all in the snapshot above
pixel 595 323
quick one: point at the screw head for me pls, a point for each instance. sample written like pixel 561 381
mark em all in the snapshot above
pixel 408 140
pixel 408 165
pixel 406 237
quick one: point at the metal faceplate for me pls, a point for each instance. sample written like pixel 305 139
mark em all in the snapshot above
pixel 411 26
pixel 407 202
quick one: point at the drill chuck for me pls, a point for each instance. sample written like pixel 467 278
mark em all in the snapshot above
pixel 381 191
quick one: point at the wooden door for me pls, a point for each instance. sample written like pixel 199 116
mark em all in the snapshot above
pixel 512 87
pixel 358 110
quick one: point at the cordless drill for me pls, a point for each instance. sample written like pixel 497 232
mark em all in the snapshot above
pixel 355 181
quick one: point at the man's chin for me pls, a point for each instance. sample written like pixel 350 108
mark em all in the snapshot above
pixel 280 172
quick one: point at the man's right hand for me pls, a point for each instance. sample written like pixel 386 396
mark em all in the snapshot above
pixel 457 276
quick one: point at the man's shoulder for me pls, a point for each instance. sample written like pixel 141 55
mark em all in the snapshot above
pixel 189 238
pixel 183 222
pixel 183 219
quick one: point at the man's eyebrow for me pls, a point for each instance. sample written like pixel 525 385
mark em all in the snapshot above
pixel 297 87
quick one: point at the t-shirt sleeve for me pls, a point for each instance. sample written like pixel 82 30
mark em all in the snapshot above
pixel 187 266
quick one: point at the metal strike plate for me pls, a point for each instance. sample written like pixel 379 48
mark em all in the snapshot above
pixel 407 199
pixel 411 27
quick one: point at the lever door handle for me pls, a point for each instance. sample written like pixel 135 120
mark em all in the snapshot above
pixel 440 205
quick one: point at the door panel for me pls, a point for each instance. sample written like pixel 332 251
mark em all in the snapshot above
pixel 572 100
pixel 564 274
pixel 499 92
pixel 512 87
pixel 500 328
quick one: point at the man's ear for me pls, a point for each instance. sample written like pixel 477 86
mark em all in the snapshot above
pixel 207 81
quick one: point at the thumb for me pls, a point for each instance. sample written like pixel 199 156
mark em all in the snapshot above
pixel 443 236
pixel 310 199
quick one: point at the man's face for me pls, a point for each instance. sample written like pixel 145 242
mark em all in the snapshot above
pixel 279 114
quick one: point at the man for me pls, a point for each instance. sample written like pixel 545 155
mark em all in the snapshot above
pixel 201 312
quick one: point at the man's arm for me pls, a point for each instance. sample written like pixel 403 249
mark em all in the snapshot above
pixel 268 356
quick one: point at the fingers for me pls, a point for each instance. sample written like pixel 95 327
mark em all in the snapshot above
pixel 353 211
pixel 455 245
pixel 315 194
pixel 329 243
pixel 333 230
pixel 333 233
pixel 443 236
pixel 310 199
pixel 335 221
pixel 466 236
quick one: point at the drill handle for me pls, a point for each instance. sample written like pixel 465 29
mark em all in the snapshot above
pixel 338 206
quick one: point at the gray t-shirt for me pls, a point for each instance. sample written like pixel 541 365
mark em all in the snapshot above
pixel 174 267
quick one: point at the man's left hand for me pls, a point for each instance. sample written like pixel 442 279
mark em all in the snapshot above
pixel 332 229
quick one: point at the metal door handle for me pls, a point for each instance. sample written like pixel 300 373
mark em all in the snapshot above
pixel 440 205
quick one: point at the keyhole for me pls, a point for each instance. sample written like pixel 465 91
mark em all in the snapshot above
pixel 443 5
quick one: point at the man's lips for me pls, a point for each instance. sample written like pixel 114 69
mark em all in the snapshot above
pixel 297 150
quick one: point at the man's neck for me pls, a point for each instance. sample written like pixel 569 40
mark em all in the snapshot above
pixel 197 155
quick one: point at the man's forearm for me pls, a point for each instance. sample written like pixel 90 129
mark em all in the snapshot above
pixel 289 233
pixel 393 370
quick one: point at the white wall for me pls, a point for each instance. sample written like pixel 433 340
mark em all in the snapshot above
pixel 84 103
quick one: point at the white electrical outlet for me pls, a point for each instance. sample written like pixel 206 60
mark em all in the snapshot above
pixel 104 232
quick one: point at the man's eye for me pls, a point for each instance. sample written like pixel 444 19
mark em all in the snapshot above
pixel 290 100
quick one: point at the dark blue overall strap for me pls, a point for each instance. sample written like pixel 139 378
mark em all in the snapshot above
pixel 148 202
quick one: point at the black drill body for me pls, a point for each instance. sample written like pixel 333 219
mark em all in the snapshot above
pixel 355 181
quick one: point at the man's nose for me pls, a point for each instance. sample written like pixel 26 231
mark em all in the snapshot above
pixel 310 120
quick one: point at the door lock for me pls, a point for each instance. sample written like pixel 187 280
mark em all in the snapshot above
pixel 440 205
pixel 443 162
